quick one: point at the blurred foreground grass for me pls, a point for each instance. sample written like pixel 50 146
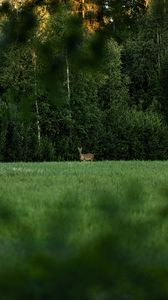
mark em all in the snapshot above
pixel 89 231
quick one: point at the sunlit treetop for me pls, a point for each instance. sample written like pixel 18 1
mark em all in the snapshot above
pixel 38 8
pixel 95 13
pixel 99 13
pixel 117 16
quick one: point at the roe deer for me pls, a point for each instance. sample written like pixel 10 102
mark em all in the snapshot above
pixel 87 156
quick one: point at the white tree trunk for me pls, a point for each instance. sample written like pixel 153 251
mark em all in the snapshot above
pixel 38 124
pixel 68 79
pixel 36 101
pixel 158 44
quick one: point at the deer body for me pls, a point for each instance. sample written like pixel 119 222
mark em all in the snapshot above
pixel 85 157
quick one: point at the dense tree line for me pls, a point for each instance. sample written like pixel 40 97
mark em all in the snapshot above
pixel 62 87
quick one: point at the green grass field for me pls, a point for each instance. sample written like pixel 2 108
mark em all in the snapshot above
pixel 73 204
pixel 34 191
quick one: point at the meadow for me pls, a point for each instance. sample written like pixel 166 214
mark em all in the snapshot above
pixel 64 208
pixel 35 191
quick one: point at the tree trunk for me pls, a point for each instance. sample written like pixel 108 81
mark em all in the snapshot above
pixel 158 37
pixel 36 101
pixel 83 9
pixel 38 124
pixel 68 79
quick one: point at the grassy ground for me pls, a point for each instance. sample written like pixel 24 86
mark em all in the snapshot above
pixel 55 207
pixel 36 190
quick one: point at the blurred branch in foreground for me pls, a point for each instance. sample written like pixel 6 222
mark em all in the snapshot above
pixel 122 262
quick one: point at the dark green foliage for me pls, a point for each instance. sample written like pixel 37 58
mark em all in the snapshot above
pixel 18 27
pixel 164 87
pixel 133 134
pixel 65 87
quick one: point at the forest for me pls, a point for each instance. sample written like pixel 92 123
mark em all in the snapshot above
pixel 83 73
